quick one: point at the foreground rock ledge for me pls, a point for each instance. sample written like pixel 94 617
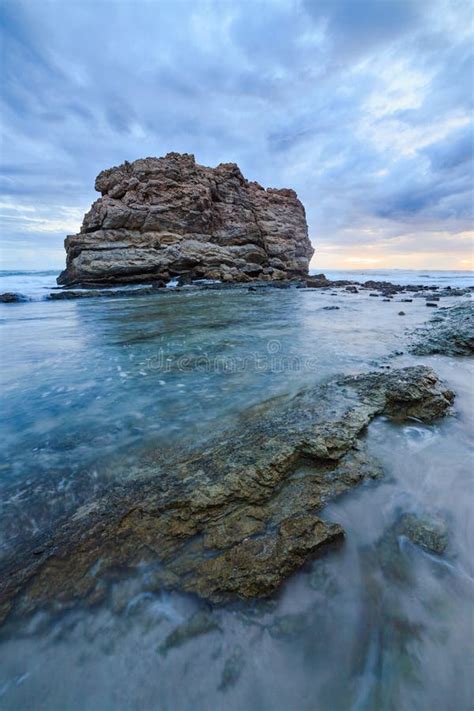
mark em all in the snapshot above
pixel 160 218
pixel 235 519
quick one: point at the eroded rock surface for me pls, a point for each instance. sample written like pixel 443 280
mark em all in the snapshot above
pixel 233 520
pixel 165 217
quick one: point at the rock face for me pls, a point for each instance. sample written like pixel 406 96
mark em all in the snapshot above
pixel 160 218
pixel 232 520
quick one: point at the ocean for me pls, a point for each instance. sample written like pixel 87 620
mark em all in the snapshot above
pixel 455 279
pixel 91 388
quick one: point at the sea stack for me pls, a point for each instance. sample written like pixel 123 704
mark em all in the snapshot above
pixel 160 218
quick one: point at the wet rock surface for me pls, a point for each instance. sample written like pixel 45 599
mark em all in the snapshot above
pixel 450 333
pixel 232 520
pixel 160 288
pixel 9 297
pixel 426 531
pixel 167 217
pixel 429 532
pixel 66 294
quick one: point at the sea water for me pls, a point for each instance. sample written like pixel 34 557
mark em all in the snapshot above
pixel 89 386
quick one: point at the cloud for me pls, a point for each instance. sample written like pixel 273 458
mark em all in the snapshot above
pixel 448 155
pixel 356 28
pixel 364 107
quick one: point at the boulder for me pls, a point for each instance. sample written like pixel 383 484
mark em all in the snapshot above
pixel 167 217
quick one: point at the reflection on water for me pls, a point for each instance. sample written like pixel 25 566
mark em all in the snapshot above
pixel 380 624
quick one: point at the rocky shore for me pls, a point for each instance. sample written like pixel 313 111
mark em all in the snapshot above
pixel 381 289
pixel 230 520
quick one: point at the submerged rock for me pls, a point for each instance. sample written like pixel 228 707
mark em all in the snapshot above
pixel 429 532
pixel 386 640
pixel 201 623
pixel 288 626
pixel 234 519
pixel 170 217
pixel 233 668
pixel 452 334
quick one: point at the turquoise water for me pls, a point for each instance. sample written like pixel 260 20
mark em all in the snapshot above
pixel 88 387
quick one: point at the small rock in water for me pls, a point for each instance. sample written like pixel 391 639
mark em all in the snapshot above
pixel 432 304
pixel 401 313
pixel 11 298
pixel 426 531
pixel 374 295
pixel 386 299
pixel 330 308
pixel 406 301
pixel 429 532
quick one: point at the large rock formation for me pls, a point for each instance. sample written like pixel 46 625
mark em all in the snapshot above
pixel 164 217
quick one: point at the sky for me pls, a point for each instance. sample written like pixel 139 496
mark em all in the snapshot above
pixel 364 107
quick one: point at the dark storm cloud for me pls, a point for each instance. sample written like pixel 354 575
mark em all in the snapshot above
pixel 363 106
